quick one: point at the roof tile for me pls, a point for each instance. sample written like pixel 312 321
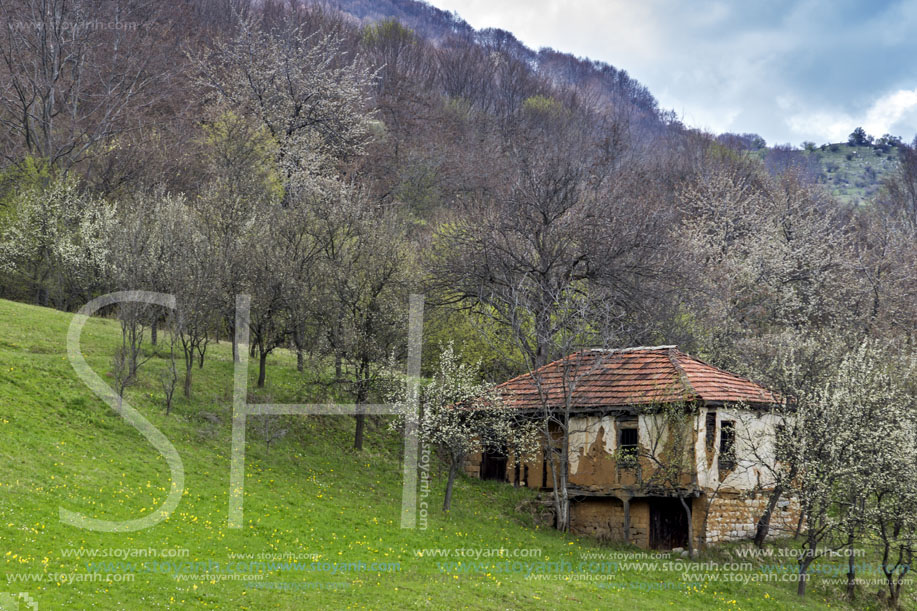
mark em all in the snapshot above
pixel 633 376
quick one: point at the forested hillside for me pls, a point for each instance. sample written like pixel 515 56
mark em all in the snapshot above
pixel 853 172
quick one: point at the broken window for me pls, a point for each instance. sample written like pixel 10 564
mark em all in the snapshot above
pixel 627 443
pixel 711 429
pixel 727 459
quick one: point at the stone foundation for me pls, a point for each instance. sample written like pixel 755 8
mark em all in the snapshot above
pixel 731 518
pixel 603 518
pixel 735 517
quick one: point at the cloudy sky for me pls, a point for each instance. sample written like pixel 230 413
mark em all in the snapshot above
pixel 788 70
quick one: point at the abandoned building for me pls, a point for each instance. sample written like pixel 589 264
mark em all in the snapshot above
pixel 626 481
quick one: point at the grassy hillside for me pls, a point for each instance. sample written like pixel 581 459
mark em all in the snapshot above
pixel 309 499
pixel 852 174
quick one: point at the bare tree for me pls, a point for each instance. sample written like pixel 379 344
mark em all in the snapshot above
pixel 902 185
pixel 129 356
pixel 76 73
pixel 366 268
pixel 555 256
pixel 168 378
pixel 191 275
pixel 245 181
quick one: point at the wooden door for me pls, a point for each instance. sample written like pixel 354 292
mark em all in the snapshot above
pixel 493 466
pixel 668 524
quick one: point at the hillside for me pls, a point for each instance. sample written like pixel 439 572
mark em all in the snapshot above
pixel 852 174
pixel 308 499
pixel 613 85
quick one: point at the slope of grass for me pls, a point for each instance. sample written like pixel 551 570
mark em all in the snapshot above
pixel 854 174
pixel 851 174
pixel 310 502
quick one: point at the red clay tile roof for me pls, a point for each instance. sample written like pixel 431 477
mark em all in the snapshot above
pixel 632 376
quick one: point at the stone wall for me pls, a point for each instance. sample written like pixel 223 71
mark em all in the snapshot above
pixel 735 517
pixel 640 523
pixel 599 518
pixel 603 518
pixel 472 465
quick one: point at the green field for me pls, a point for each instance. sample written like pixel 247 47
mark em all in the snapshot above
pixel 310 502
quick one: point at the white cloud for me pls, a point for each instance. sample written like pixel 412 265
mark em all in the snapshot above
pixel 603 29
pixel 890 113
pixel 889 110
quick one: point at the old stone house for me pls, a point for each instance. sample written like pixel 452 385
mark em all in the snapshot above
pixel 619 445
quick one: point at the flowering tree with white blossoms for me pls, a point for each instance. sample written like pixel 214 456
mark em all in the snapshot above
pixel 56 245
pixel 854 454
pixel 877 381
pixel 461 416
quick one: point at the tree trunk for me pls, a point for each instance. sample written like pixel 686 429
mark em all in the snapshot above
pixel 361 395
pixel 558 481
pixel 894 590
pixel 802 515
pixel 893 583
pixel 262 366
pixel 298 344
pixel 851 567
pixel 189 368
pixel 803 577
pixel 563 520
pixel 154 333
pixel 447 501
pixel 804 561
pixel 764 522
pixel 542 333
pixel 687 509
pixel 358 433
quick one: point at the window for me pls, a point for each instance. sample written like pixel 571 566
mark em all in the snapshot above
pixel 727 445
pixel 627 443
pixel 711 429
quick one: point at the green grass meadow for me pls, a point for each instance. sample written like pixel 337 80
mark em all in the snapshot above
pixel 321 523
